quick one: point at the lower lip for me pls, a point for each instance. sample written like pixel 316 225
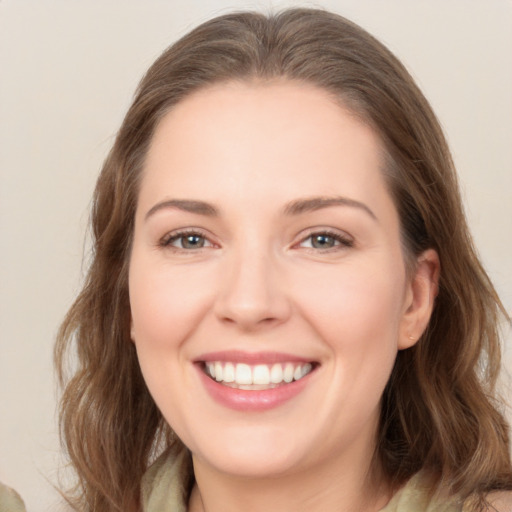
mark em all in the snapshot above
pixel 252 400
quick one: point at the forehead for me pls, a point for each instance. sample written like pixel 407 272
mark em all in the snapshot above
pixel 262 139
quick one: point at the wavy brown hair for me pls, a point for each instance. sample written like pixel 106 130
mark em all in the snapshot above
pixel 439 411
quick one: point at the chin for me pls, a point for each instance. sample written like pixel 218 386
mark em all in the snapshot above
pixel 251 454
pixel 250 466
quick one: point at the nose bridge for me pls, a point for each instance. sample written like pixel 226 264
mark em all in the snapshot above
pixel 252 291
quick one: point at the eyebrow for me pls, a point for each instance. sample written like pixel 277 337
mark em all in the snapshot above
pixel 295 207
pixel 317 203
pixel 186 205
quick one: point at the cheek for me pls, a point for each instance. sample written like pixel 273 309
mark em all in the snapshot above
pixel 166 304
pixel 166 307
pixel 357 313
pixel 355 297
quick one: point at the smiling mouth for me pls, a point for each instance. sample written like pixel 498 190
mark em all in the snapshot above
pixel 256 377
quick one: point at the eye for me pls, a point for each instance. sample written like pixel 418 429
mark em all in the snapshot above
pixel 325 240
pixel 186 240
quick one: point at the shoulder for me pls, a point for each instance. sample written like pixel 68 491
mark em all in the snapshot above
pixel 417 496
pixel 163 486
pixel 10 500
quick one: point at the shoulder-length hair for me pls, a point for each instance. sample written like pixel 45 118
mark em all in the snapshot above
pixel 438 410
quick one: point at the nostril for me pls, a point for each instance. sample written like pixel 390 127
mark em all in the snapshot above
pixel 250 323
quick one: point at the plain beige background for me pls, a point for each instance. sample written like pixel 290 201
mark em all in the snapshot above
pixel 67 73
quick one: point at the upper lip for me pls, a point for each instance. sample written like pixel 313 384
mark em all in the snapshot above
pixel 251 358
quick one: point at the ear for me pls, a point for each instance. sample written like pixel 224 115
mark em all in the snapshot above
pixel 419 298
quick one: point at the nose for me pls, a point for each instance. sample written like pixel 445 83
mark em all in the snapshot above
pixel 252 293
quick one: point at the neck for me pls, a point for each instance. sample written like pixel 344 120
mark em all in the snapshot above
pixel 340 486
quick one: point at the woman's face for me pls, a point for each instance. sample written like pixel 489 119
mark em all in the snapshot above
pixel 267 249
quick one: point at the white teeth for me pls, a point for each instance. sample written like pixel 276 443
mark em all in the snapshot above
pixel 229 373
pixel 276 374
pixel 218 371
pixel 288 372
pixel 243 375
pixel 261 374
pixel 306 369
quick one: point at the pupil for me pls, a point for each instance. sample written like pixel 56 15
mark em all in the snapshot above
pixel 192 241
pixel 323 241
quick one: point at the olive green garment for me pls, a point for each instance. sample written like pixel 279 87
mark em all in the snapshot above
pixel 10 500
pixel 162 485
pixel 162 491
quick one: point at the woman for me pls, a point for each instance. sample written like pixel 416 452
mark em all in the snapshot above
pixel 284 304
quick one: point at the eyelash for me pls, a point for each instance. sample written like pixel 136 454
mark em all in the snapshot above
pixel 341 241
pixel 168 239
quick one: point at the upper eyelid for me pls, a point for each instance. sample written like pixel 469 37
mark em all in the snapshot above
pixel 302 236
pixel 337 233
pixel 345 241
pixel 177 233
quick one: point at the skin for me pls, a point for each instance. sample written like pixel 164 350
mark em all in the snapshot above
pixel 259 284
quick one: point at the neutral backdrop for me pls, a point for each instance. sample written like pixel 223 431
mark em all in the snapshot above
pixel 67 73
